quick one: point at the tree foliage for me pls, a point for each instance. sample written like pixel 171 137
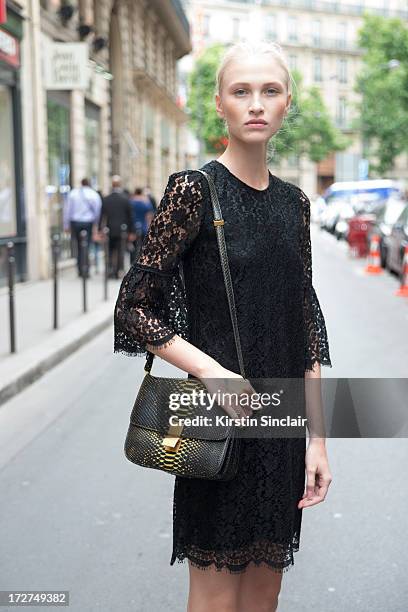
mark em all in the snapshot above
pixel 383 85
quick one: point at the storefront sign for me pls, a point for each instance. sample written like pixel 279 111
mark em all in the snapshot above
pixel 66 65
pixel 9 49
pixel 3 11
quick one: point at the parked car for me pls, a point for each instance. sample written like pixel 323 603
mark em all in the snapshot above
pixel 331 213
pixel 317 206
pixel 341 228
pixel 396 243
pixel 385 219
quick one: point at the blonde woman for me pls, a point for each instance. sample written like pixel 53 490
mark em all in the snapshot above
pixel 238 536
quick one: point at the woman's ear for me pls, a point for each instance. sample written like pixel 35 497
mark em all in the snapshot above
pixel 288 102
pixel 218 106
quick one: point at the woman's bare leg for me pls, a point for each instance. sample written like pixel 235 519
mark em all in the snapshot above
pixel 259 589
pixel 212 590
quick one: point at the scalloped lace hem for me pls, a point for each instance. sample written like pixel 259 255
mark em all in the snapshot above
pixel 235 563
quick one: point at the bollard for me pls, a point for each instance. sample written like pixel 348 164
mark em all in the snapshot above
pixel 11 273
pixel 123 242
pixel 55 256
pixel 106 256
pixel 84 266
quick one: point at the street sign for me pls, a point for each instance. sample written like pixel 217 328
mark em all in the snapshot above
pixel 363 169
pixel 3 11
pixel 66 65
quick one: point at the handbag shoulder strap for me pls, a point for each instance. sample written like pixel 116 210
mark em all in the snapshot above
pixel 219 229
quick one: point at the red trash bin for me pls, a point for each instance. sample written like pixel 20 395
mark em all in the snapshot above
pixel 357 236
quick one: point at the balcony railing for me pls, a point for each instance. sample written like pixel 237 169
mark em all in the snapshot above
pixel 323 6
pixel 321 44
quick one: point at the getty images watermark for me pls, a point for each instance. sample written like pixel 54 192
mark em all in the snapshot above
pixel 201 399
pixel 286 407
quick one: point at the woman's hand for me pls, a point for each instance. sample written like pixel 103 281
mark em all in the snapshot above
pixel 219 379
pixel 318 476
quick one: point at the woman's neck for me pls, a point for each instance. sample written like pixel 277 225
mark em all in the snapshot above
pixel 247 163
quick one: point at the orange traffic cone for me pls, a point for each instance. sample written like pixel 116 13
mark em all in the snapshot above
pixel 374 266
pixel 403 290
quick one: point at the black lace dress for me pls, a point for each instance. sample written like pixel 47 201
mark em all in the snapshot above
pixel 177 286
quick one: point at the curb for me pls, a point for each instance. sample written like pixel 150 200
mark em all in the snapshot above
pixel 52 354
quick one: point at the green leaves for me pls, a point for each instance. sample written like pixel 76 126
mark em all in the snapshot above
pixel 383 86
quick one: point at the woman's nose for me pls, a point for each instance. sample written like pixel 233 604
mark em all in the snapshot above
pixel 256 104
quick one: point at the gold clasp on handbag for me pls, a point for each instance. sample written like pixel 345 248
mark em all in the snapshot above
pixel 171 444
pixel 218 221
pixel 172 440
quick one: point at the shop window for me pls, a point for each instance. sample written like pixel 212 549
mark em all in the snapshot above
pixel 59 158
pixel 92 143
pixel 7 169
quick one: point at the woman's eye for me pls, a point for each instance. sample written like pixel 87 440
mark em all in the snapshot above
pixel 239 91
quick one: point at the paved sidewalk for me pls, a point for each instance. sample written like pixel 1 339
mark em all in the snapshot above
pixel 39 346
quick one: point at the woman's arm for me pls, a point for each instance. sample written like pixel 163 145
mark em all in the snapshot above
pixel 151 310
pixel 151 304
pixel 316 354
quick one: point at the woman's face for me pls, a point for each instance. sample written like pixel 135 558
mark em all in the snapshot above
pixel 253 88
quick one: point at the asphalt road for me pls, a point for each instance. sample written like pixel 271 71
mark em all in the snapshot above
pixel 77 516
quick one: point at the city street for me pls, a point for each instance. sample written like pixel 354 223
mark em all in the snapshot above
pixel 78 516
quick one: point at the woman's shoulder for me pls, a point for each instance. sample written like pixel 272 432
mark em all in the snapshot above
pixel 188 182
pixel 188 175
pixel 295 190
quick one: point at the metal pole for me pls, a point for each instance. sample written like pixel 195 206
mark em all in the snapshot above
pixel 84 265
pixel 105 232
pixel 55 256
pixel 11 271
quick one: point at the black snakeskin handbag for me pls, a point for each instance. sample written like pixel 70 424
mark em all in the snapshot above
pixel 181 449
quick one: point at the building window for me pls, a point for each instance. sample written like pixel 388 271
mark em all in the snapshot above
pixel 292 28
pixel 341 30
pixel 206 25
pixel 59 155
pixel 342 70
pixel 92 143
pixel 270 27
pixel 293 160
pixel 236 26
pixel 341 112
pixel 292 61
pixel 316 32
pixel 317 68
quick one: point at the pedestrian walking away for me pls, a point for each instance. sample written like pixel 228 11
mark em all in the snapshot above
pixel 82 212
pixel 116 212
pixel 148 193
pixel 238 536
pixel 142 214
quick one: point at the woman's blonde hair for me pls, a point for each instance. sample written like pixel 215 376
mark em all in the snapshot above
pixel 242 50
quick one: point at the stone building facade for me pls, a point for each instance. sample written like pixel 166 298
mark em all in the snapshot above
pixel 128 120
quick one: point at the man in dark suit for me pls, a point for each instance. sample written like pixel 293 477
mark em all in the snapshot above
pixel 116 212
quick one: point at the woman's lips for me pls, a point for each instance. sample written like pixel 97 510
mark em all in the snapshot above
pixel 256 125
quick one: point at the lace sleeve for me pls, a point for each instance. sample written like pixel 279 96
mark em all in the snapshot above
pixel 151 305
pixel 316 341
